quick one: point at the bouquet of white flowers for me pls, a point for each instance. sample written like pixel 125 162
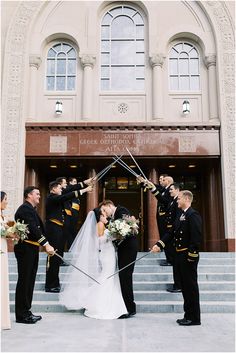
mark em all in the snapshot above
pixel 15 231
pixel 120 229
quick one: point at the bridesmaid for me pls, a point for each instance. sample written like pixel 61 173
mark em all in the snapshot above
pixel 5 306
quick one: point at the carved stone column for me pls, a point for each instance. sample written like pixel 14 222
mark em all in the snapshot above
pixel 156 62
pixel 88 62
pixel 34 63
pixel 153 233
pixel 210 61
pixel 92 197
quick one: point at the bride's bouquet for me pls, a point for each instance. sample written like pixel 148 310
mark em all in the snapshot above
pixel 15 231
pixel 122 228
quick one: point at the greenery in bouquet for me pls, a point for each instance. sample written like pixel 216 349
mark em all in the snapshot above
pixel 124 227
pixel 15 231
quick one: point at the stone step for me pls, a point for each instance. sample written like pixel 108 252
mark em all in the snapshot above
pixel 216 278
pixel 214 286
pixel 143 307
pixel 206 307
pixel 150 276
pixel 143 268
pixel 203 255
pixel 156 295
pixel 152 261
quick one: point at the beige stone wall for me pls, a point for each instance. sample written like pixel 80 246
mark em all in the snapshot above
pixel 165 23
pixel 30 27
pixel 7 12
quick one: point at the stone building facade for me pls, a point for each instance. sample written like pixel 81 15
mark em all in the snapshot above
pixel 154 76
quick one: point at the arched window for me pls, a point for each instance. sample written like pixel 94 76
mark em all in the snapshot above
pixel 61 68
pixel 122 50
pixel 184 69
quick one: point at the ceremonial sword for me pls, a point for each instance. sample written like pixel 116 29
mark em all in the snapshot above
pixel 129 264
pixel 77 268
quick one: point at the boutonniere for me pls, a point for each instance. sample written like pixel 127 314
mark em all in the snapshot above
pixel 182 217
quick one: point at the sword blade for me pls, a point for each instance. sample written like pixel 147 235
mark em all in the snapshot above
pixel 124 165
pixel 77 268
pixel 131 263
pixel 101 174
pixel 136 164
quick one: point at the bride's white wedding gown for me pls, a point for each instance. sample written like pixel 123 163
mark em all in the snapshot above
pixel 100 301
pixel 105 301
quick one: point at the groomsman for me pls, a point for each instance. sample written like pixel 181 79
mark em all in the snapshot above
pixel 75 207
pixel 172 212
pixel 55 218
pixel 27 255
pixel 187 234
pixel 68 209
pixel 164 198
pixel 162 194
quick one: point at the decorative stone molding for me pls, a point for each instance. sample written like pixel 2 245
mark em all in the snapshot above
pixel 157 60
pixel 88 60
pixel 210 60
pixel 14 82
pixel 35 60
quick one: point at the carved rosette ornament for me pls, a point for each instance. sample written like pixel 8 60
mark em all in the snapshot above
pixel 123 108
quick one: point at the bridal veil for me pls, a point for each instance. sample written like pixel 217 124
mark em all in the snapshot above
pixel 84 255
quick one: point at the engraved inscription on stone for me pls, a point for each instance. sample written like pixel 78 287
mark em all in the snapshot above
pixel 187 144
pixel 58 144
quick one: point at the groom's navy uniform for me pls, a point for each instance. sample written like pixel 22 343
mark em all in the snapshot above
pixel 127 252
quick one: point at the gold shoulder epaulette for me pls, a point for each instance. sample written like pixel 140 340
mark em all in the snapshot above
pixel 75 206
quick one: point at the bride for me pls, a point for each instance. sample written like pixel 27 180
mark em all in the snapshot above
pixel 93 253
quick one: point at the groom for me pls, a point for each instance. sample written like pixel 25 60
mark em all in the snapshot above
pixel 127 252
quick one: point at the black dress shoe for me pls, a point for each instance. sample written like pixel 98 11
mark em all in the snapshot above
pixel 132 313
pixel 37 317
pixel 27 320
pixel 179 320
pixel 174 290
pixel 53 290
pixel 165 263
pixel 186 322
pixel 124 316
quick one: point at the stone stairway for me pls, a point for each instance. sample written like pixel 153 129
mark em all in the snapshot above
pixel 216 278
